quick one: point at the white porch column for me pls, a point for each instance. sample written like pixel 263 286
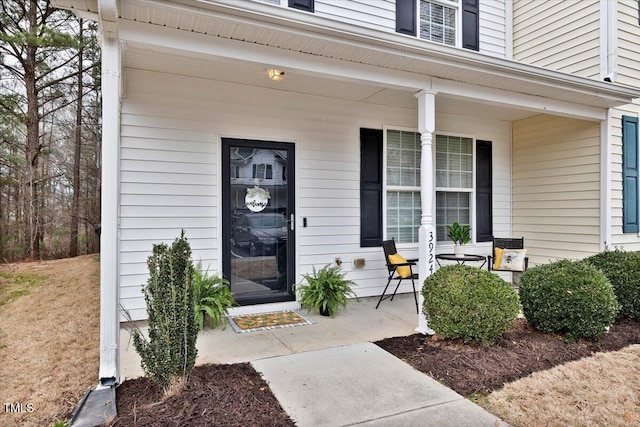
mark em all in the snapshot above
pixel 427 232
pixel 109 298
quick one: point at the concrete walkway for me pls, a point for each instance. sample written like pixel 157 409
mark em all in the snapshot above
pixel 330 374
pixel 362 384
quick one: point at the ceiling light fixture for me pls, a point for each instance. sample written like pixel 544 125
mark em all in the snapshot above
pixel 276 75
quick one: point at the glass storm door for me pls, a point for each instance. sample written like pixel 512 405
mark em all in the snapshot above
pixel 258 220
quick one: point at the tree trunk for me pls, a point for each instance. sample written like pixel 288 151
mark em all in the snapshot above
pixel 32 148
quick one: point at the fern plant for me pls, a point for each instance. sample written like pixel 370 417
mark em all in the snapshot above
pixel 212 297
pixel 326 290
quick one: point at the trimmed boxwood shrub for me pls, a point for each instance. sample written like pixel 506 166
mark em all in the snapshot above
pixel 469 303
pixel 569 297
pixel 623 271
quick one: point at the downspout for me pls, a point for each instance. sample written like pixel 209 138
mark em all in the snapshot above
pixel 111 90
pixel 606 198
pixel 608 40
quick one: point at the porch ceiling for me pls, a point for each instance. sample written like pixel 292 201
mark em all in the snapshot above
pixel 380 63
pixel 255 75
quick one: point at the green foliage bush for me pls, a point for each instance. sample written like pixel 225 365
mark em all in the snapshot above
pixel 212 296
pixel 469 303
pixel 169 353
pixel 623 271
pixel 326 290
pixel 569 297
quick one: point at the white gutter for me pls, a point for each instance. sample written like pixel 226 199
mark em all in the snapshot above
pixel 108 13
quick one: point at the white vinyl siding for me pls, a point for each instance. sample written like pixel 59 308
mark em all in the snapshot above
pixel 170 174
pixel 628 43
pixel 628 241
pixel 556 187
pixel 494 27
pixel 376 14
pixel 559 35
pixel 381 15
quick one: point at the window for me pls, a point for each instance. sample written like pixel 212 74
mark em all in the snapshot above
pixel 449 22
pixel 306 5
pixel 438 22
pixel 403 186
pixel 454 184
pixel 263 171
pixel 235 171
pixel 398 182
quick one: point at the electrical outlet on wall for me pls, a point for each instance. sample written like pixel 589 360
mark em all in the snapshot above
pixel 338 261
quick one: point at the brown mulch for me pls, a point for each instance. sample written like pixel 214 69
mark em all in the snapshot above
pixel 235 395
pixel 470 370
pixel 216 395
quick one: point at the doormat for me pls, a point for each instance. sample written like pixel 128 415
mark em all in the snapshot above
pixel 265 321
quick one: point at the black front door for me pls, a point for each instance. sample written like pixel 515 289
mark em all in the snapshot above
pixel 258 220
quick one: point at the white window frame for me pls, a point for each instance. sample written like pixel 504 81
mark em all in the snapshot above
pixel 386 188
pixel 454 4
pixel 471 191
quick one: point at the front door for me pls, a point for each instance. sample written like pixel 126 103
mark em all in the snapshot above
pixel 258 220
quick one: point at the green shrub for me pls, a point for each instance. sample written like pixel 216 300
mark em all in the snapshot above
pixel 169 353
pixel 623 271
pixel 212 296
pixel 569 297
pixel 326 290
pixel 469 303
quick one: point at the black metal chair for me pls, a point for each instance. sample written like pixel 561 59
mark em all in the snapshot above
pixel 505 243
pixel 390 252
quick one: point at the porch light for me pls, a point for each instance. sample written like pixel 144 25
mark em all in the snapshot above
pixel 276 75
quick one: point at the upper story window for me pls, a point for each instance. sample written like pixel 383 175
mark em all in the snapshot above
pixel 449 22
pixel 306 5
pixel 438 21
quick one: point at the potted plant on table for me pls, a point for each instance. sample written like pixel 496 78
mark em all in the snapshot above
pixel 460 235
pixel 326 290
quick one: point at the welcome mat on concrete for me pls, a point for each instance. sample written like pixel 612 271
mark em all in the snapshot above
pixel 264 321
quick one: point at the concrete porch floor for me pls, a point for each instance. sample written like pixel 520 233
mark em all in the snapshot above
pixel 360 322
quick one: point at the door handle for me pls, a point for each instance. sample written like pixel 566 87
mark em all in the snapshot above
pixel 292 222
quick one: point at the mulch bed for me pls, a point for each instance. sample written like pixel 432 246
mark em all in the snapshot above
pixel 216 395
pixel 236 395
pixel 470 370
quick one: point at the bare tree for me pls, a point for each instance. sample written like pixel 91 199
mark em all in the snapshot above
pixel 40 58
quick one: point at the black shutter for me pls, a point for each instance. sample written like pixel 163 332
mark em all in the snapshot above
pixel 370 187
pixel 406 17
pixel 484 199
pixel 470 25
pixel 306 5
pixel 630 205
